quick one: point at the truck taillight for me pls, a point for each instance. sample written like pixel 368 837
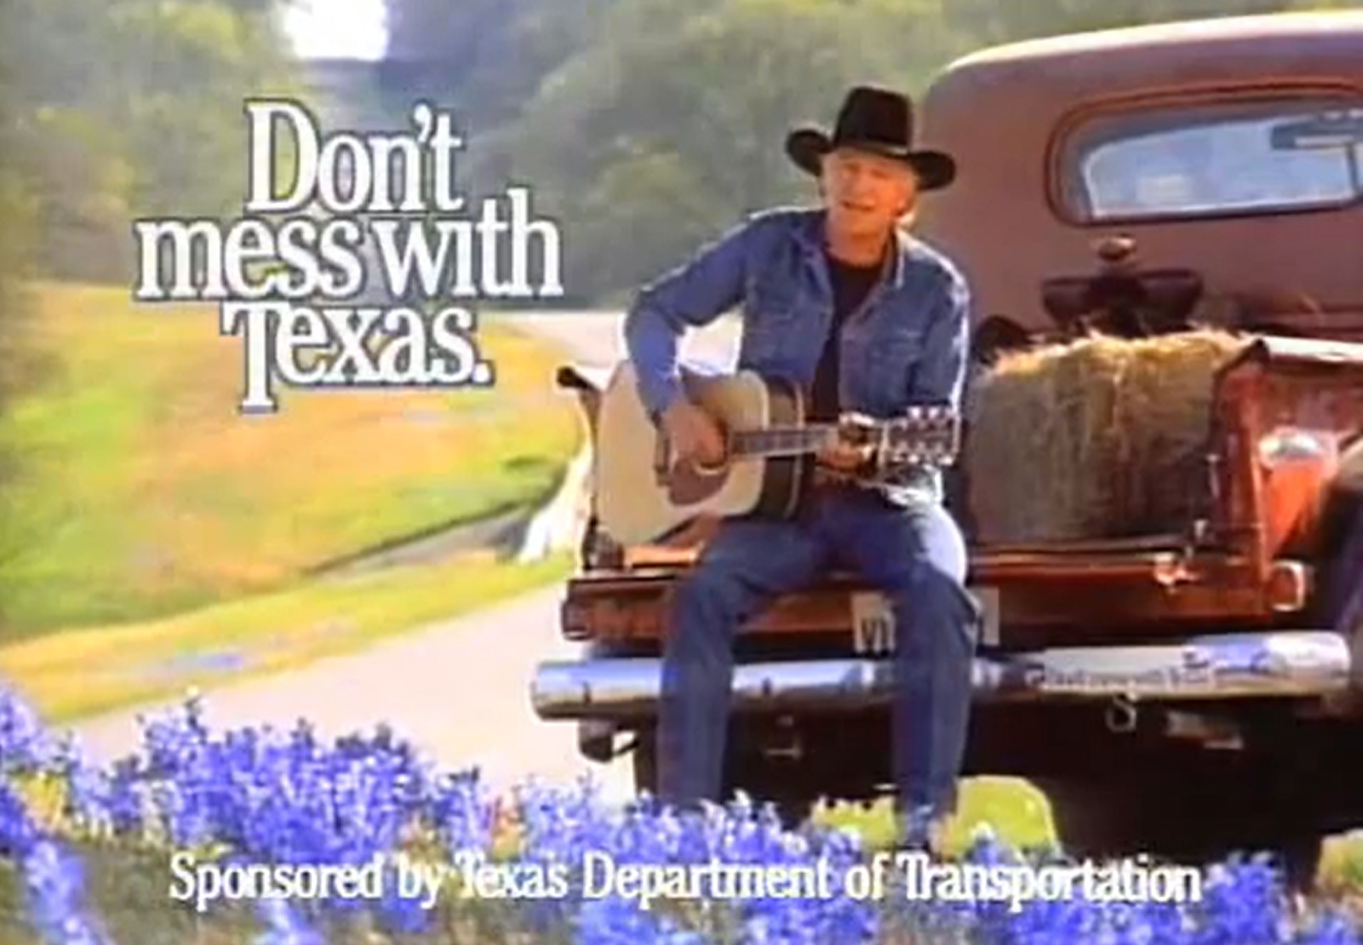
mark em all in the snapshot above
pixel 1289 586
pixel 573 622
pixel 1290 445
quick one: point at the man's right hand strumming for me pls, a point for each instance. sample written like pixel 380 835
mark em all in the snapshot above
pixel 694 434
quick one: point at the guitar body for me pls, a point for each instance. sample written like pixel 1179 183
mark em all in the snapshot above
pixel 643 494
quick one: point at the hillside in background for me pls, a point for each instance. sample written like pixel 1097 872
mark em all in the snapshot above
pixel 644 126
pixel 649 125
pixel 130 486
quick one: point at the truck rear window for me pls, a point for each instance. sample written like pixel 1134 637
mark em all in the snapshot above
pixel 1203 160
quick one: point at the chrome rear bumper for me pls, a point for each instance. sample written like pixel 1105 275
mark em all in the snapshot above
pixel 1279 664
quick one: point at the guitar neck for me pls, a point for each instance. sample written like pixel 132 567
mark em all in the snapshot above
pixel 784 441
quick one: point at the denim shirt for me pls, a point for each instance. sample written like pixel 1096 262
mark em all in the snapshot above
pixel 907 345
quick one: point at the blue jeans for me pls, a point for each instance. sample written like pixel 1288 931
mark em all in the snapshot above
pixel 916 557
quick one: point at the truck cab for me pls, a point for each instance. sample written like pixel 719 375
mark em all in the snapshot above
pixel 1184 685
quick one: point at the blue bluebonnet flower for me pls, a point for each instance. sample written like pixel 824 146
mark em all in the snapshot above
pixel 287 797
pixel 54 892
pixel 52 879
pixel 284 926
pixel 18 833
pixel 25 746
pixel 615 922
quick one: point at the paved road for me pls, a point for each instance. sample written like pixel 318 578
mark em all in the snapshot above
pixel 459 689
pixel 595 338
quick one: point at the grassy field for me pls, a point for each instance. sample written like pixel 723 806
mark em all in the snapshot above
pixel 1020 815
pixel 1012 807
pixel 77 673
pixel 143 493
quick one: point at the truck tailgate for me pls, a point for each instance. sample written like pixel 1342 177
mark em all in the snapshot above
pixel 1031 594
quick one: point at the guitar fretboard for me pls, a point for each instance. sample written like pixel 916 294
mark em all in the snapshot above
pixel 783 441
pixel 923 434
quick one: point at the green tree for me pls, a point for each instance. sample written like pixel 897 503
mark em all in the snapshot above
pixel 642 124
pixel 131 108
pixel 16 210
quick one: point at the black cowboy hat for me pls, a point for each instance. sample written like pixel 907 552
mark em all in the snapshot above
pixel 879 121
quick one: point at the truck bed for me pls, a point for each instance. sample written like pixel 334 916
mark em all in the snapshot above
pixel 1032 594
pixel 1216 612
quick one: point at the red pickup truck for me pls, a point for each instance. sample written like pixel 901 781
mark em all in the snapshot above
pixel 1187 691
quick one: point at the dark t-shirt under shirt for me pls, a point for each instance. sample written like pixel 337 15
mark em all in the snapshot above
pixel 851 284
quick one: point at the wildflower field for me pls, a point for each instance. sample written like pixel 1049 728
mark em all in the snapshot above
pixel 88 856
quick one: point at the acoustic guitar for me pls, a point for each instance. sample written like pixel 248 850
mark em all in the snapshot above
pixel 644 491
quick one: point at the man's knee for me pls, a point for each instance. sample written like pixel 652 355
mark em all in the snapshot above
pixel 939 545
pixel 935 598
pixel 926 571
pixel 929 583
pixel 707 585
pixel 706 606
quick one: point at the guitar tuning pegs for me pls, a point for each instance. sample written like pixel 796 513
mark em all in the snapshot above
pixel 930 414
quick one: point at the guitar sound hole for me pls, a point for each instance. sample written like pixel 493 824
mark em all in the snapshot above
pixel 710 469
pixel 688 483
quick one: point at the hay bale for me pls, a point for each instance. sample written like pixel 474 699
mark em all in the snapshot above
pixel 1097 438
